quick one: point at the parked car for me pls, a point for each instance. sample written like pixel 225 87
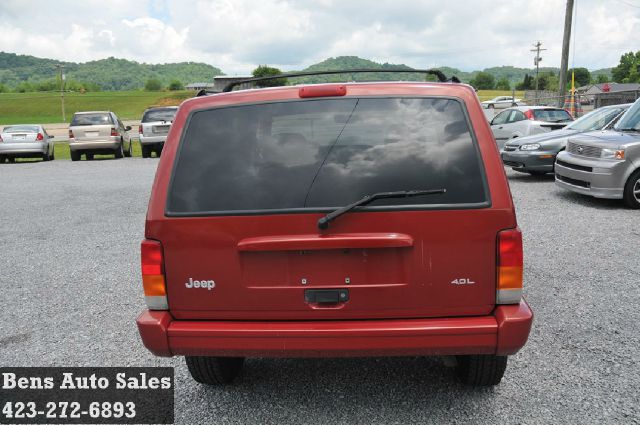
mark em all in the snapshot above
pixel 604 164
pixel 527 120
pixel 536 154
pixel 154 128
pixel 98 132
pixel 502 102
pixel 331 220
pixel 25 141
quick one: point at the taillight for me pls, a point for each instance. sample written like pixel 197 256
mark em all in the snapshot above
pixel 152 261
pixel 140 129
pixel 70 134
pixel 0 137
pixel 114 132
pixel 39 136
pixel 529 114
pixel 509 284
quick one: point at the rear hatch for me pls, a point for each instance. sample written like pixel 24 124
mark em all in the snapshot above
pixel 21 134
pixel 552 118
pixel 92 126
pixel 157 122
pixel 250 182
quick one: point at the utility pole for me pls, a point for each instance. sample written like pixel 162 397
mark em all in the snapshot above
pixel 564 63
pixel 60 68
pixel 536 62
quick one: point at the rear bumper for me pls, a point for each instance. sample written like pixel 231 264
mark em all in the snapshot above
pixel 102 144
pixel 152 140
pixel 504 332
pixel 17 149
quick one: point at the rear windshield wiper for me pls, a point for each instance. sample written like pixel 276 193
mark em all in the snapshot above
pixel 323 223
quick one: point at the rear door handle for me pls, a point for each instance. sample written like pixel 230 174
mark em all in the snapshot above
pixel 326 296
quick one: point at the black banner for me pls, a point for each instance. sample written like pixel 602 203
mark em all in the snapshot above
pixel 86 395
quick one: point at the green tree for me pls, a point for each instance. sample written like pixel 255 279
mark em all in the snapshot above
pixel 547 81
pixel 3 88
pixel 627 70
pixel 176 85
pixel 582 76
pixel 601 79
pixel 267 71
pixel 483 81
pixel 153 84
pixel 527 83
pixel 503 84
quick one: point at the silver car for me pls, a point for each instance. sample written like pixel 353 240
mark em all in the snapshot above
pixel 523 121
pixel 25 141
pixel 153 129
pixel 604 164
pixel 536 154
pixel 502 102
pixel 98 132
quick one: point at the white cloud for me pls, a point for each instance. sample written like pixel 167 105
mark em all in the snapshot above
pixel 240 34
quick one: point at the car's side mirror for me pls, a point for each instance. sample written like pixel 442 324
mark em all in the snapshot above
pixel 127 128
pixel 51 137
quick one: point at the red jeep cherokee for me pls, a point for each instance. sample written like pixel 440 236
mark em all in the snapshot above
pixel 331 220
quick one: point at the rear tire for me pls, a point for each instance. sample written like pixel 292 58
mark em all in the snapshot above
pixel 158 151
pixel 129 151
pixel 146 151
pixel 631 194
pixel 119 152
pixel 2 159
pixel 89 156
pixel 46 156
pixel 214 370
pixel 75 156
pixel 481 370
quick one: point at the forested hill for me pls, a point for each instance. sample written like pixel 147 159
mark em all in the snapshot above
pixel 106 74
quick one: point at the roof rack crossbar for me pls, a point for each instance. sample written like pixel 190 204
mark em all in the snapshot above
pixel 439 74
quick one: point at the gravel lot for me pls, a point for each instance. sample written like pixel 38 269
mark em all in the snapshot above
pixel 69 237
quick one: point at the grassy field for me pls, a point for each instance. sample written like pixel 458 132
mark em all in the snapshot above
pixel 45 108
pixel 490 94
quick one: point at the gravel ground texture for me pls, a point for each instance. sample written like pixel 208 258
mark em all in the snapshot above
pixel 69 273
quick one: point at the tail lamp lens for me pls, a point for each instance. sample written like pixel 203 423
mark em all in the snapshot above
pixel 529 114
pixel 39 136
pixel 153 282
pixel 114 132
pixel 70 134
pixel 510 264
pixel 140 129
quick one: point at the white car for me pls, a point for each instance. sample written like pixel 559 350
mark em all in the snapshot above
pixel 527 120
pixel 502 102
pixel 25 141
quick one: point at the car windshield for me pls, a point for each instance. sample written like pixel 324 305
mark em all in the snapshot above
pixel 325 154
pixel 165 114
pixel 91 119
pixel 595 120
pixel 22 129
pixel 551 115
pixel 631 119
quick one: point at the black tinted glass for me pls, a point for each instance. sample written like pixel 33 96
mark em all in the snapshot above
pixel 325 153
pixel 551 115
pixel 159 115
pixel 91 119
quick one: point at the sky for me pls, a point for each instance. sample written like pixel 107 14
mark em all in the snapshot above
pixel 238 35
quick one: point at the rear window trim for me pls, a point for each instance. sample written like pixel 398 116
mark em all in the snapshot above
pixel 311 210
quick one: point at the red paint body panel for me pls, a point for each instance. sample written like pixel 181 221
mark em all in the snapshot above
pixel 504 332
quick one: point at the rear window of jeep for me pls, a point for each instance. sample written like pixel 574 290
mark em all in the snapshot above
pixel 321 154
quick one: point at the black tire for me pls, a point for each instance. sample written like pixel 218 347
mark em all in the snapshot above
pixel 89 156
pixel 481 370
pixel 119 152
pixel 537 173
pixel 129 151
pixel 158 151
pixel 2 159
pixel 146 151
pixel 46 156
pixel 75 156
pixel 214 370
pixel 491 106
pixel 11 160
pixel 631 194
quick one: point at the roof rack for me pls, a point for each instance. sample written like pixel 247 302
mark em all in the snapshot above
pixel 439 74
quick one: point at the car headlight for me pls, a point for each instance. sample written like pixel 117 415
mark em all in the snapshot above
pixel 612 154
pixel 530 147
